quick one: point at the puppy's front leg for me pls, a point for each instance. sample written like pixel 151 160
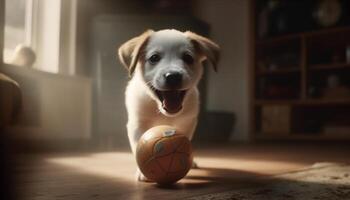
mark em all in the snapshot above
pixel 191 127
pixel 134 134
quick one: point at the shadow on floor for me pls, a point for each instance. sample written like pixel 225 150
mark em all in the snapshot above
pixel 321 182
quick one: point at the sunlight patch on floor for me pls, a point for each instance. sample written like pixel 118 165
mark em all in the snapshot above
pixel 122 165
pixel 119 165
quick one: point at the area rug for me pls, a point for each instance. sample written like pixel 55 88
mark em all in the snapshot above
pixel 322 181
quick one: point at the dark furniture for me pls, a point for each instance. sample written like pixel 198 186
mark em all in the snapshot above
pixel 300 80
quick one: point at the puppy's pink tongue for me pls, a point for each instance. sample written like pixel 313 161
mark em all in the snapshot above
pixel 171 107
pixel 172 101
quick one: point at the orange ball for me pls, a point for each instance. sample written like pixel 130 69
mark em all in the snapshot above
pixel 164 154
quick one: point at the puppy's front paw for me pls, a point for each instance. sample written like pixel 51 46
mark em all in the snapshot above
pixel 142 178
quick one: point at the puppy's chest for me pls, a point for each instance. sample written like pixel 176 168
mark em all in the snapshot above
pixel 163 120
pixel 149 113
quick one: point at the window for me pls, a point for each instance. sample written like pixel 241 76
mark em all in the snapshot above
pixel 37 30
pixel 16 26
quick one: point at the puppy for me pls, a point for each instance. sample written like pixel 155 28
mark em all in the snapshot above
pixel 165 68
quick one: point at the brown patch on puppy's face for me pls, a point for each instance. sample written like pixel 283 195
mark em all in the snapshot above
pixel 129 52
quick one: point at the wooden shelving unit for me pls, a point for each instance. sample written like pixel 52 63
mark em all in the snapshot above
pixel 298 89
pixel 309 34
pixel 330 66
pixel 300 102
pixel 278 71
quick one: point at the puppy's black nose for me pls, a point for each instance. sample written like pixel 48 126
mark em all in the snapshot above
pixel 173 79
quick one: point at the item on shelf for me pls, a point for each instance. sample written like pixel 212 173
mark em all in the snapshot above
pixel 274 7
pixel 279 92
pixel 284 60
pixel 289 16
pixel 340 92
pixel 338 126
pixel 314 92
pixel 282 23
pixel 272 67
pixel 327 12
pixel 321 56
pixel 336 130
pixel 276 119
pixel 333 81
pixel 348 54
pixel 312 126
pixel 263 22
pixel 337 57
pixel 335 89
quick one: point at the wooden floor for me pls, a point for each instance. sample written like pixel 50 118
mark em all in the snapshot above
pixel 110 175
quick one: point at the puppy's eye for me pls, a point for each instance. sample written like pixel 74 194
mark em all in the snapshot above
pixel 187 58
pixel 155 58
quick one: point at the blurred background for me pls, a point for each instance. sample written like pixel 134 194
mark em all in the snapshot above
pixel 284 73
pixel 62 54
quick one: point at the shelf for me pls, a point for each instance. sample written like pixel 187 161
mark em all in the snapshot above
pixel 278 39
pixel 302 51
pixel 310 102
pixel 329 66
pixel 300 136
pixel 279 71
pixel 326 31
pixel 284 38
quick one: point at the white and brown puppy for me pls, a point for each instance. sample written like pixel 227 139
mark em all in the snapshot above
pixel 165 68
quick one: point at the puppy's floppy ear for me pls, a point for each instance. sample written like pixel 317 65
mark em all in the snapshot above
pixel 206 47
pixel 129 52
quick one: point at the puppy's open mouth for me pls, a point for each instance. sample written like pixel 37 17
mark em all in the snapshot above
pixel 171 99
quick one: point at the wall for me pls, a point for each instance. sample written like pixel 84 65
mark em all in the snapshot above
pixel 87 10
pixel 228 89
pixel 68 25
pixel 54 106
pixel 2 22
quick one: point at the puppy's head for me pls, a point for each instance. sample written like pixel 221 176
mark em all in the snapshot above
pixel 170 64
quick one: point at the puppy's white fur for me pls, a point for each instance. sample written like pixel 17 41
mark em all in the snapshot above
pixel 144 108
